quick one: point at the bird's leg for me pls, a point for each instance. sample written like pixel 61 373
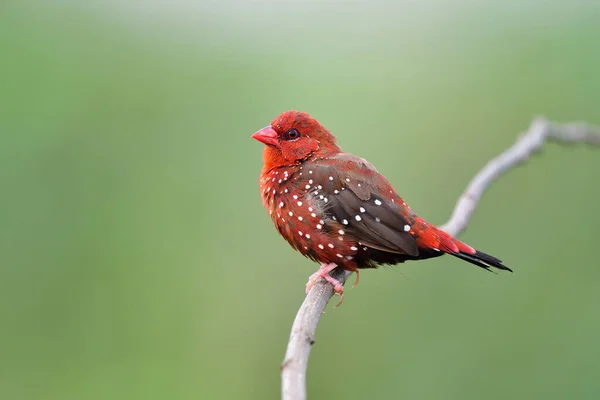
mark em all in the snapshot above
pixel 323 272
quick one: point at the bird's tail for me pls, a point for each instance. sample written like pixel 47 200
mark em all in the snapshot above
pixel 456 248
pixel 482 260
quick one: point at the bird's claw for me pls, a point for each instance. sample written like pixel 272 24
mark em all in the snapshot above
pixel 356 281
pixel 323 272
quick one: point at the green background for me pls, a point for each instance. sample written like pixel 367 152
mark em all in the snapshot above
pixel 136 260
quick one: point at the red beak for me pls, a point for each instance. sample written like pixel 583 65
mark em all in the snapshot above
pixel 266 135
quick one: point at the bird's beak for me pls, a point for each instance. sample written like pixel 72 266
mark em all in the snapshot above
pixel 266 135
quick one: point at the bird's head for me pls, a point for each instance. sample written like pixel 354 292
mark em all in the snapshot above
pixel 293 137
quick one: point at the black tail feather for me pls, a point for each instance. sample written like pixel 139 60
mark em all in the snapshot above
pixel 482 260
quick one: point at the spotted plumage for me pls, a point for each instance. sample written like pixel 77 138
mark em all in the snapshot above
pixel 337 209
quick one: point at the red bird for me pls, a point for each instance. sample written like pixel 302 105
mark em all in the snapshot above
pixel 336 209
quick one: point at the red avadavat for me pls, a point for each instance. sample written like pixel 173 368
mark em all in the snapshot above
pixel 336 209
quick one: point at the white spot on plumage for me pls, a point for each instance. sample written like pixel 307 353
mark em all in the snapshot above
pixel 340 238
pixel 347 179
pixel 345 221
pixel 353 248
pixel 310 208
pixel 290 213
pixel 307 187
pixel 300 218
pixel 319 226
pixel 331 178
pixel 325 199
pixel 310 172
pixel 300 233
pixel 362 210
pixel 307 236
pixel 321 246
pixel 310 181
pixel 285 190
pixel 378 202
pixel 377 219
pixel 357 217
pixel 341 232
pixel 436 249
pixel 336 191
pixel 321 222
pixel 330 245
pixel 359 185
pixel 339 255
pixel 299 203
pixel 295 197
pixel 281 204
pixel 406 228
pixel 364 248
pixel 313 215
pixel 320 187
pixel 280 181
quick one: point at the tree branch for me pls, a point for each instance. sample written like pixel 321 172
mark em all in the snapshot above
pixel 293 369
pixel 529 142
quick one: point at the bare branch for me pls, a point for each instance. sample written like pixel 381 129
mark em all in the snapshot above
pixel 293 369
pixel 528 143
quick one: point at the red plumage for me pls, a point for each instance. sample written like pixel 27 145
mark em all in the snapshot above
pixel 338 210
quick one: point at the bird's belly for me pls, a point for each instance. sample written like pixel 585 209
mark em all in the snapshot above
pixel 302 222
pixel 306 232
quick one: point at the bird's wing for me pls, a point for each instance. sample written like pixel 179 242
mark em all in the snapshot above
pixel 354 197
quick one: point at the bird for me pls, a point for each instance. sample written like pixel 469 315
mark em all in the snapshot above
pixel 336 209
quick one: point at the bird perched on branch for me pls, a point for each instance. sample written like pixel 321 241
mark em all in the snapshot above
pixel 338 210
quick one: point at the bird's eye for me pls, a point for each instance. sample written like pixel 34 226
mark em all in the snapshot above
pixel 292 134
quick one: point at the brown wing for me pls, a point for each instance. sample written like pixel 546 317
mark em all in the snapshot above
pixel 349 193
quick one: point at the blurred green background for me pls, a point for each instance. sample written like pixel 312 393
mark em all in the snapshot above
pixel 136 260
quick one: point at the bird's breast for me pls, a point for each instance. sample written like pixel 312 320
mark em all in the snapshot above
pixel 301 220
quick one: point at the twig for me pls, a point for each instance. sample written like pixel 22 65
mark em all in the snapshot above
pixel 528 143
pixel 293 369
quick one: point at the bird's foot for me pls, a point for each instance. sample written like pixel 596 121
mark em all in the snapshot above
pixel 323 272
